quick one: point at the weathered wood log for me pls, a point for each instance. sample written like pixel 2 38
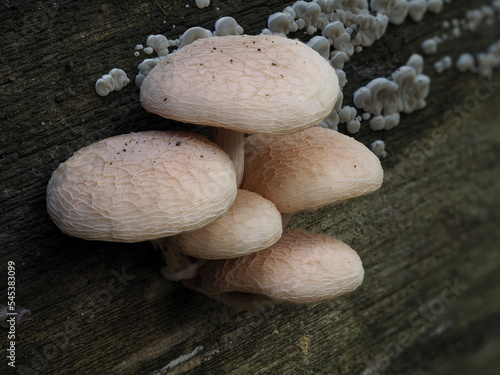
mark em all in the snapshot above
pixel 430 302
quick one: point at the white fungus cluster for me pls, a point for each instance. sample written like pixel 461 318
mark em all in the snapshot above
pixel 345 23
pixel 345 28
pixel 487 61
pixel 396 10
pixel 144 69
pixel 474 19
pixel 159 44
pixel 115 80
pixel 162 46
pixel 384 99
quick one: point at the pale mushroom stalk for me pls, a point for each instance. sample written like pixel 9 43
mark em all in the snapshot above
pixel 232 142
pixel 174 265
pixel 143 186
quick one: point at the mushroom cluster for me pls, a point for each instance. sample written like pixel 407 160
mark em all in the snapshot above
pixel 216 210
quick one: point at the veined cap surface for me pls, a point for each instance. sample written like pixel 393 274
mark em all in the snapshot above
pixel 141 186
pixel 254 84
pixel 309 169
pixel 302 267
pixel 251 224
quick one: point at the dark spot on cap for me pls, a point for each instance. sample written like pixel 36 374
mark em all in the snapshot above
pixel 178 143
pixel 258 49
pixel 201 156
pixel 165 99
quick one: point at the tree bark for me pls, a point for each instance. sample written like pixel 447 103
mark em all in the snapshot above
pixel 430 301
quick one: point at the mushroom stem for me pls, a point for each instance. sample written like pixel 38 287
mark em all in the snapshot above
pixel 232 143
pixel 285 218
pixel 175 265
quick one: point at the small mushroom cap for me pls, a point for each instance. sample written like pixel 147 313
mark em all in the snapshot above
pixel 251 224
pixel 141 186
pixel 302 267
pixel 309 169
pixel 253 84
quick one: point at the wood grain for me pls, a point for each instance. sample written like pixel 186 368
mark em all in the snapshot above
pixel 430 302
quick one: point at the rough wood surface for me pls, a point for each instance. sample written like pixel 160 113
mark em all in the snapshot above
pixel 429 239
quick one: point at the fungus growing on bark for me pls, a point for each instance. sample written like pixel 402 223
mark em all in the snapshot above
pixel 256 84
pixel 141 186
pixel 309 169
pixel 227 26
pixel 246 84
pixel 251 224
pixel 302 267
pixel 115 80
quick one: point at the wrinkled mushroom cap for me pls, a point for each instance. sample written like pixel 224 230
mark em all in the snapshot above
pixel 251 224
pixel 302 267
pixel 253 84
pixel 141 186
pixel 309 169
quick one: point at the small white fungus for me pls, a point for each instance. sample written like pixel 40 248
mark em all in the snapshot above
pixel 417 9
pixel 115 80
pixel 396 10
pixel 487 61
pixel 159 43
pixel 227 26
pixel 202 3
pixel 192 34
pixel 377 123
pixel 435 6
pixel 429 46
pixel 353 126
pixel 342 77
pixel 378 148
pixel 465 62
pixel 282 23
pixel 321 45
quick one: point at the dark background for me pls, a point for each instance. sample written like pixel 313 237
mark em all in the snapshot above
pixel 429 239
